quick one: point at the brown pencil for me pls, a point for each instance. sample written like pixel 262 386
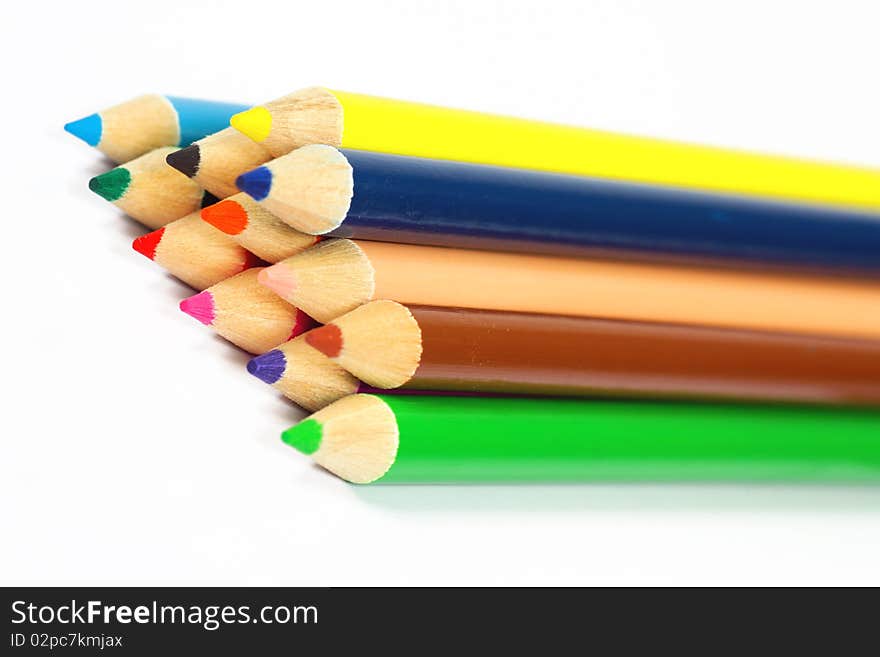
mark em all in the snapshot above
pixel 388 345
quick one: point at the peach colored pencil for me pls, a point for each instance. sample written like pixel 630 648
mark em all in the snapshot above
pixel 336 276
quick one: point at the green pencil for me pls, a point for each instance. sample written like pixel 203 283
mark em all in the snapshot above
pixel 399 439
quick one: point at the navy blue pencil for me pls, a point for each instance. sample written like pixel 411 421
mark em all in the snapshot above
pixel 393 198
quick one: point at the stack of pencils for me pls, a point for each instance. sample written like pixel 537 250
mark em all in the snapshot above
pixel 462 297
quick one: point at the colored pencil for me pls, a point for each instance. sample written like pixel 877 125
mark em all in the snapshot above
pixel 149 190
pixel 370 438
pixel 248 315
pixel 256 229
pixel 130 129
pixel 322 116
pixel 194 252
pixel 303 374
pixel 394 198
pixel 215 161
pixel 388 345
pixel 336 276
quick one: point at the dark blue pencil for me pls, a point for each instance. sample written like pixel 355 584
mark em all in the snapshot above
pixel 393 198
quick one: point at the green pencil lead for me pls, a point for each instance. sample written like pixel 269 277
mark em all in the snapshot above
pixel 304 437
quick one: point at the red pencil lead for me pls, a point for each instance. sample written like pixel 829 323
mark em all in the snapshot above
pixel 146 244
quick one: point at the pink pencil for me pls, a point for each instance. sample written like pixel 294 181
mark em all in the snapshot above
pixel 247 314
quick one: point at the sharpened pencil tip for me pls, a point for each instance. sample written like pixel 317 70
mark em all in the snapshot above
pixel 226 216
pixel 146 244
pixel 327 339
pixel 304 437
pixel 268 367
pixel 255 123
pixel 280 279
pixel 89 129
pixel 112 185
pixel 186 160
pixel 200 306
pixel 257 183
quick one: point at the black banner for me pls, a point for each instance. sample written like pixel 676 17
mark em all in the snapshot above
pixel 176 620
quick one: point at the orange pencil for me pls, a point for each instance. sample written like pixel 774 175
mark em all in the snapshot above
pixel 257 229
pixel 336 276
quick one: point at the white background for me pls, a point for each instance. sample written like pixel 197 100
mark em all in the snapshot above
pixel 137 450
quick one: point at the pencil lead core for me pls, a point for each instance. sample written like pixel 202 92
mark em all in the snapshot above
pixel 279 278
pixel 268 367
pixel 186 160
pixel 256 183
pixel 226 216
pixel 304 437
pixel 255 123
pixel 111 185
pixel 326 339
pixel 88 128
pixel 200 306
pixel 146 244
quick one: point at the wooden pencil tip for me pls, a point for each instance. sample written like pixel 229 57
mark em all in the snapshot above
pixel 146 244
pixel 356 438
pixel 309 189
pixel 303 374
pixel 379 342
pixel 186 160
pixel 326 280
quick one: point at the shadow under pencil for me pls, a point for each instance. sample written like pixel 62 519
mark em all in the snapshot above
pixel 650 498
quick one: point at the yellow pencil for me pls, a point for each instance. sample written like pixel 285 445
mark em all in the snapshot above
pixel 342 119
